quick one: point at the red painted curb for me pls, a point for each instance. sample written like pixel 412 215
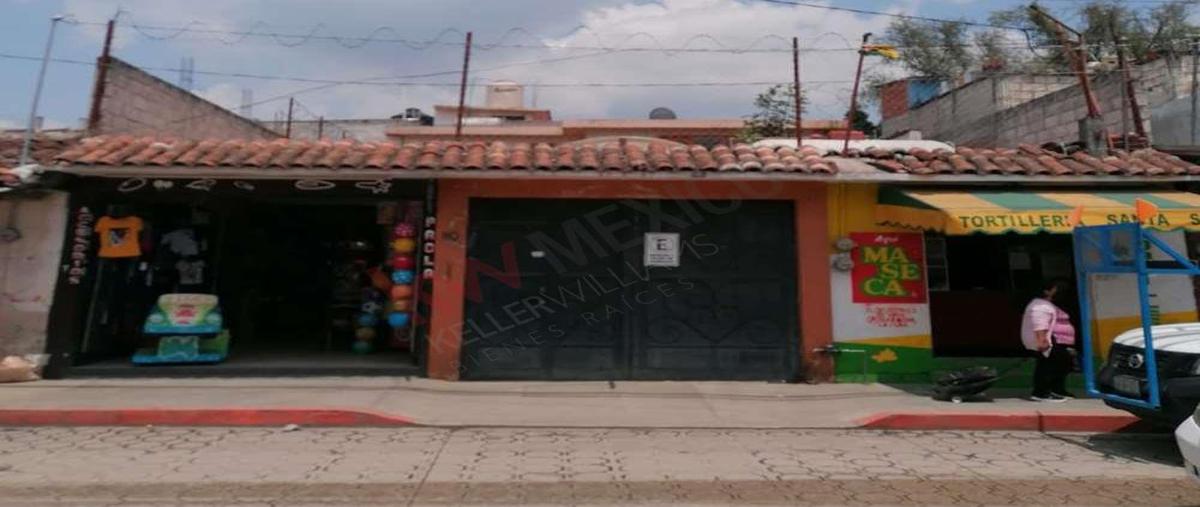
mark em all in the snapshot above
pixel 1024 421
pixel 197 417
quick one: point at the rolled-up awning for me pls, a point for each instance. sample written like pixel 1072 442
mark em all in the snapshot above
pixel 998 212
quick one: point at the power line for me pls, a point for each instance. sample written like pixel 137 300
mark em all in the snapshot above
pixel 911 17
pixel 752 48
pixel 352 42
pixel 436 84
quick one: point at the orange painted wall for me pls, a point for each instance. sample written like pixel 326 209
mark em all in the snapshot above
pixel 812 250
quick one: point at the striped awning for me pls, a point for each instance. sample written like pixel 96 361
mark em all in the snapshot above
pixel 996 212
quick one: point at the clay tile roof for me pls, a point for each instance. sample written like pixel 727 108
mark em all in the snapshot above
pixel 625 155
pixel 1025 160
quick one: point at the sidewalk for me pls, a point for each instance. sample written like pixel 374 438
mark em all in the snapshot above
pixel 342 401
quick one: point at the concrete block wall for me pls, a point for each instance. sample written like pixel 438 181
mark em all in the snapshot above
pixel 1038 109
pixel 136 102
pixel 946 117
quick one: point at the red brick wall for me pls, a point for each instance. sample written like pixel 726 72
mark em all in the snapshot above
pixel 893 99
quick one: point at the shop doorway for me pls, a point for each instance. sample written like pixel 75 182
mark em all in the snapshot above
pixel 294 280
pixel 565 289
pixel 979 286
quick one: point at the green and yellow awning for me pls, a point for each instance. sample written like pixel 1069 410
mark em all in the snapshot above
pixel 997 212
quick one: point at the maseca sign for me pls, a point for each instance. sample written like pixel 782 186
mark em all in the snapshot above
pixel 888 267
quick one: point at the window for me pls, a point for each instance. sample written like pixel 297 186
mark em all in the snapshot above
pixel 937 269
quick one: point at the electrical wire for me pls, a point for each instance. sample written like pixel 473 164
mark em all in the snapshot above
pixel 682 84
pixel 298 39
pixel 911 17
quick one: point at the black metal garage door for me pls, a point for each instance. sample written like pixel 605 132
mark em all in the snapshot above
pixel 558 289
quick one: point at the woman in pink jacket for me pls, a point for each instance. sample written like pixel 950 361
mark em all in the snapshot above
pixel 1047 330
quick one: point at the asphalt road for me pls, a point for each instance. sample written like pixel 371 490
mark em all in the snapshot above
pixel 504 466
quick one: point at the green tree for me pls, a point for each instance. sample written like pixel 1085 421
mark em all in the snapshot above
pixel 774 114
pixel 932 49
pixel 1146 34
pixel 949 50
pixel 861 121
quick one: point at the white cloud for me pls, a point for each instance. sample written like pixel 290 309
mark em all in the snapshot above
pixel 672 23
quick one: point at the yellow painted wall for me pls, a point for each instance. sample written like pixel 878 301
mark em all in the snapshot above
pixel 852 209
pixel 1103 331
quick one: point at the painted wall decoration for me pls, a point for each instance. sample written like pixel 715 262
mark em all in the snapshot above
pixel 889 267
pixel 891 316
pixel 81 242
pixel 429 236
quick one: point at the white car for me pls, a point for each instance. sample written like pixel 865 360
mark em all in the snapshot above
pixel 1177 353
pixel 1188 437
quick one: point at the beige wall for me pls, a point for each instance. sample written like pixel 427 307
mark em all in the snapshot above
pixel 29 270
pixel 136 102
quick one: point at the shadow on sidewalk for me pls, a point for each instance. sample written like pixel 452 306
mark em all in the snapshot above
pixel 1157 448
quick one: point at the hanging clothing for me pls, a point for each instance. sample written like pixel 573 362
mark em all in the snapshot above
pixel 190 272
pixel 119 237
pixel 182 242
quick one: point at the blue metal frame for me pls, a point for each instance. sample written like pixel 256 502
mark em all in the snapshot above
pixel 1084 239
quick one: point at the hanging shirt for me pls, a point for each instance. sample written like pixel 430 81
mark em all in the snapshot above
pixel 182 242
pixel 190 272
pixel 119 236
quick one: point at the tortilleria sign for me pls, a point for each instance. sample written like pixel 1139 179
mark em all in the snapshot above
pixel 1059 221
pixel 888 267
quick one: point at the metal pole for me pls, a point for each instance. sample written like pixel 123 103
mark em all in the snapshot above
pixel 1195 84
pixel 854 94
pixel 288 128
pixel 1124 122
pixel 320 128
pixel 101 79
pixel 796 88
pixel 462 87
pixel 1077 57
pixel 37 94
pixel 1130 94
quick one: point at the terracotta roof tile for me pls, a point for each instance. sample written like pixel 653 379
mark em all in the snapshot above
pixel 518 157
pixel 564 157
pixel 126 152
pixel 543 157
pixel 476 156
pixel 496 156
pixel 406 156
pixel 1026 160
pixel 620 155
pixel 378 156
pixel 693 158
pixel 335 154
pixel 176 150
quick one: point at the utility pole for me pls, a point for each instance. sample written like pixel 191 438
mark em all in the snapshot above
pixel 101 78
pixel 320 128
pixel 1130 92
pixel 288 129
pixel 796 88
pixel 37 93
pixel 1195 85
pixel 854 93
pixel 1078 59
pixel 462 87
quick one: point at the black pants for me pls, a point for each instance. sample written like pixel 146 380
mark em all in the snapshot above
pixel 1050 373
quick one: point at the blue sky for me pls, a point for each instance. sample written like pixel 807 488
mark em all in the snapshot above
pixel 697 23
